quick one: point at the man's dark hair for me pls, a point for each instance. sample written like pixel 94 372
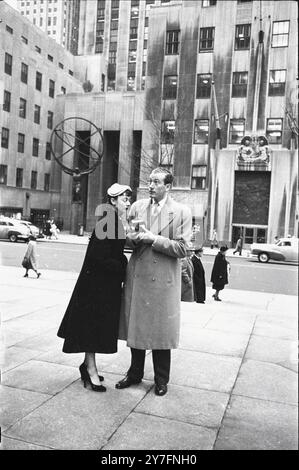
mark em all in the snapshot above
pixel 168 176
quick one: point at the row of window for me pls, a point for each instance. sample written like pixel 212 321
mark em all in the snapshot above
pixel 277 83
pixel 19 178
pixel 280 37
pixel 274 130
pixel 21 144
pixel 23 110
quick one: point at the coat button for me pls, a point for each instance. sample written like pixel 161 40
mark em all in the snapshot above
pixel 155 261
pixel 153 279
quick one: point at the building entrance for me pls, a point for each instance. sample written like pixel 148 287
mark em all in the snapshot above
pixel 250 234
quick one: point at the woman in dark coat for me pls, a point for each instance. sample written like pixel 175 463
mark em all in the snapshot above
pixel 199 281
pixel 91 321
pixel 219 276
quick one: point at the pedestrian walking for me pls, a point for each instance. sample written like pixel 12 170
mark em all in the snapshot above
pixel 239 246
pixel 199 281
pixel 30 257
pixel 187 290
pixel 90 324
pixel 150 318
pixel 54 230
pixel 219 275
pixel 214 241
pixel 47 230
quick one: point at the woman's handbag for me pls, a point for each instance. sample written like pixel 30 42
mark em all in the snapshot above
pixel 25 263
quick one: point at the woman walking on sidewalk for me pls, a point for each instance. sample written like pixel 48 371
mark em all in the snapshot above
pixel 219 276
pixel 90 323
pixel 30 257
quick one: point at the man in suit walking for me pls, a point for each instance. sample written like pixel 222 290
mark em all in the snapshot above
pixel 150 318
pixel 199 277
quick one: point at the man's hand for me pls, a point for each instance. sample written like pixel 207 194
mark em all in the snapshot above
pixel 146 236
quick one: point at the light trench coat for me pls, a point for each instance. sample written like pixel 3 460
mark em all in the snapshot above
pixel 150 314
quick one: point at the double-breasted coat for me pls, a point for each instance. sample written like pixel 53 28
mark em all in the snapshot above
pixel 199 281
pixel 150 314
pixel 187 291
pixel 91 321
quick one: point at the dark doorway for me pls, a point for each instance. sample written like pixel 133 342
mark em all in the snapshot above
pixel 110 159
pixel 135 163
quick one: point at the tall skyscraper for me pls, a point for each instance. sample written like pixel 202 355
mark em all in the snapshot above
pixel 48 15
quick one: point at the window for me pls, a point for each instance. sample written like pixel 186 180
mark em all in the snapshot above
pixel 47 182
pixel 134 11
pixel 112 57
pixel 201 131
pixel 48 151
pixel 277 82
pixel 5 138
pixel 133 46
pixel 206 39
pixel 239 89
pixel 71 73
pixel 236 131
pixel 51 88
pixel 274 130
pixel 36 117
pixel 35 147
pixel 131 77
pixel 24 40
pixel 132 56
pixel 61 66
pixel 133 32
pixel 208 3
pixel 280 33
pixel 242 39
pixel 19 177
pixel 167 132
pixel 170 87
pixel 203 89
pixel 103 79
pixel 22 108
pixel 21 143
pixel 63 90
pixel 199 177
pixel 38 81
pixel 9 29
pixel 3 174
pixel 38 49
pixel 33 184
pixel 24 72
pixel 6 101
pixel 8 64
pixel 50 58
pixel 172 42
pixel 50 120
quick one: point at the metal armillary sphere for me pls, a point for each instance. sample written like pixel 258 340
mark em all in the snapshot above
pixel 88 157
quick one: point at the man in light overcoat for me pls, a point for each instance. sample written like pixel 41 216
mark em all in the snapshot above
pixel 150 318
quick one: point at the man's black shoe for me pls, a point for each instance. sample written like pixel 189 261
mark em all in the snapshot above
pixel 126 382
pixel 160 390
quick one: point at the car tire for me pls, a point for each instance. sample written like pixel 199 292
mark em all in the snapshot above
pixel 13 237
pixel 263 258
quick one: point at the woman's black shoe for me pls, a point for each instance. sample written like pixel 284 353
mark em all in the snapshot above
pixel 25 275
pixel 86 379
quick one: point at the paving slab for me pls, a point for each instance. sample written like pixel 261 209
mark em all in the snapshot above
pixel 201 407
pixel 141 432
pixel 42 377
pixel 213 341
pixel 78 418
pixel 267 381
pixel 14 444
pixel 202 370
pixel 251 424
pixel 277 327
pixel 278 351
pixel 16 403
pixel 42 342
pixel 232 322
pixel 14 356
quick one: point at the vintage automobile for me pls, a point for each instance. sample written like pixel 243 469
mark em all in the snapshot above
pixel 33 229
pixel 285 249
pixel 13 230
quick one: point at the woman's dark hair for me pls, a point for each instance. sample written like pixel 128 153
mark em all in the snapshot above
pixel 32 237
pixel 127 193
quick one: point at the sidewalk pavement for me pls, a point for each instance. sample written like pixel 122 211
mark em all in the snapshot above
pixel 65 237
pixel 233 383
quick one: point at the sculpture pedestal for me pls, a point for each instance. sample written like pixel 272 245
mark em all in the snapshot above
pixel 76 218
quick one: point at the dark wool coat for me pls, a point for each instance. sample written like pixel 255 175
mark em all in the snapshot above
pixel 187 293
pixel 199 281
pixel 91 321
pixel 219 272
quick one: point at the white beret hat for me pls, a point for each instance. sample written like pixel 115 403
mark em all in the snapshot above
pixel 118 189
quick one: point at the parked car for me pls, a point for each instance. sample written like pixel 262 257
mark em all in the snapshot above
pixel 34 230
pixel 13 230
pixel 285 249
